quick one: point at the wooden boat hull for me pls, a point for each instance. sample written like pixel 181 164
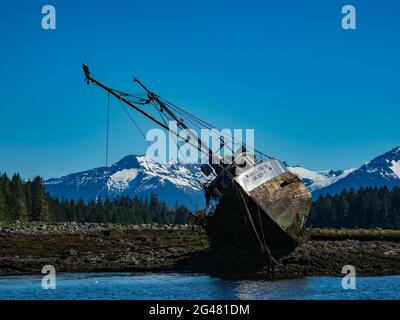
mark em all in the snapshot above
pixel 277 210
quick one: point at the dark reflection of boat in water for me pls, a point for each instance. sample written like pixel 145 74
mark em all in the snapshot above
pixel 259 205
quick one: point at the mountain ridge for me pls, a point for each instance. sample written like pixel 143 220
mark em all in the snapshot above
pixel 133 175
pixel 383 170
pixel 138 175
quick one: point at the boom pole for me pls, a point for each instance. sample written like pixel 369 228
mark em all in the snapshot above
pixel 179 121
pixel 199 146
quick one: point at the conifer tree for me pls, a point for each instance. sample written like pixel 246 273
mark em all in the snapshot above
pixel 3 216
pixel 40 210
pixel 17 206
pixel 4 196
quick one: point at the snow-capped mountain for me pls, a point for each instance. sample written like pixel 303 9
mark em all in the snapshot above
pixel 134 175
pixel 384 170
pixel 315 180
pixel 177 183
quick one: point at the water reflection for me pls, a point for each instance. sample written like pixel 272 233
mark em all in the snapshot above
pixel 185 286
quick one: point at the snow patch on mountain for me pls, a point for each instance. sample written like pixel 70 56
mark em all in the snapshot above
pixel 179 183
pixel 134 176
pixel 381 171
pixel 319 179
pixel 120 180
pixel 395 167
pixel 181 175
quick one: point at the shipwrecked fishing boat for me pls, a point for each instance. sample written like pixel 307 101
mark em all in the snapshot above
pixel 260 206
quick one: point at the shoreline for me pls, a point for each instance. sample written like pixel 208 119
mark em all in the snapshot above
pixel 92 247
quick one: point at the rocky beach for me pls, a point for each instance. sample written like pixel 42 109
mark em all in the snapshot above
pixel 92 247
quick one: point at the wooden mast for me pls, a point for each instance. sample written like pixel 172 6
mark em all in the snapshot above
pixel 199 146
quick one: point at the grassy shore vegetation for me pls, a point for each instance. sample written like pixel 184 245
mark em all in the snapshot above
pixel 28 201
pixel 337 234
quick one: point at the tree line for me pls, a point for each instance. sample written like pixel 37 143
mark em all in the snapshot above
pixel 364 208
pixel 27 201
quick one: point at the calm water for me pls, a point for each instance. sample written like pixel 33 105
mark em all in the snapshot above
pixel 184 286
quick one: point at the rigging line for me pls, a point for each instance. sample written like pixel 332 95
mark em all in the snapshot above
pixel 193 118
pixel 190 118
pixel 208 125
pixel 138 109
pixel 186 112
pixel 169 117
pixel 193 122
pixel 159 112
pixel 133 121
pixel 263 247
pixel 186 118
pixel 196 121
pixel 137 127
pixel 214 152
pixel 176 141
pixel 170 104
pixel 144 136
pixel 107 142
pixel 250 217
pixel 261 226
pixel 162 115
pixel 129 94
pixel 190 167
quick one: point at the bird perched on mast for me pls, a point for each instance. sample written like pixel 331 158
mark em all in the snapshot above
pixel 87 72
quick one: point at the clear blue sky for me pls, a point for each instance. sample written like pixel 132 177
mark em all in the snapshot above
pixel 315 94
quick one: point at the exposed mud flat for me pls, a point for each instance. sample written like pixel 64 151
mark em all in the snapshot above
pixel 72 247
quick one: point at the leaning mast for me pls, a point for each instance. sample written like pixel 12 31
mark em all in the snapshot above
pixel 200 146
